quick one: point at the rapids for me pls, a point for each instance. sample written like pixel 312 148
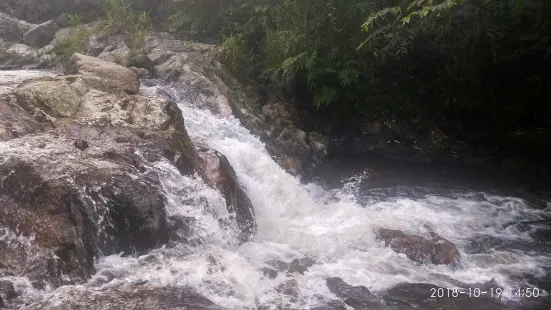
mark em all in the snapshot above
pixel 332 225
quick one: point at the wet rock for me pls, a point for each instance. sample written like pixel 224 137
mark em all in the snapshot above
pixel 289 293
pixel 63 214
pixel 141 72
pixel 40 35
pixel 319 146
pixel 142 297
pixel 332 305
pixel 269 272
pixel 295 266
pixel 7 290
pixel 358 297
pixel 280 113
pixel 81 144
pixel 196 68
pixel 294 141
pixel 293 165
pixel 431 250
pixel 425 296
pixel 216 169
pixel 78 203
pixel 140 60
pixel 307 262
pixel 15 123
pixel 117 77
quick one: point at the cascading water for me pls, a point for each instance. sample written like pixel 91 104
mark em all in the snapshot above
pixel 296 220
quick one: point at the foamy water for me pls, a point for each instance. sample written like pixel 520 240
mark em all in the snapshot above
pixel 295 220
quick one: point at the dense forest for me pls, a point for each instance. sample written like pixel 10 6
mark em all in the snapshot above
pixel 470 62
pixel 461 65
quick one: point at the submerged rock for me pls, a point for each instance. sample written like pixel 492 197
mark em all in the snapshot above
pixel 357 297
pixel 216 169
pixel 426 296
pixel 141 297
pixel 432 250
pixel 299 266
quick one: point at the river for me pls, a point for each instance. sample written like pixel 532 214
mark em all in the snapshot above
pixel 329 217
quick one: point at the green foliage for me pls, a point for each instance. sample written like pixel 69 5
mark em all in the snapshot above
pixel 121 18
pixel 475 62
pixel 483 56
pixel 75 42
pixel 233 48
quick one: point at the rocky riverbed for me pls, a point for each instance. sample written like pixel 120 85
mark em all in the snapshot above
pixel 166 184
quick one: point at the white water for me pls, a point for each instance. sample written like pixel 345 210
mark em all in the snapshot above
pixel 335 228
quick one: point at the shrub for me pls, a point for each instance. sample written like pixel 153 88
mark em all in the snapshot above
pixel 75 42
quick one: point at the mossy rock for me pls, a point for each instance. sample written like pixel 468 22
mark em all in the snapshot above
pixel 140 60
pixel 50 98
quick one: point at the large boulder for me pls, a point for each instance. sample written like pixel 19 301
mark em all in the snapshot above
pixel 118 78
pixel 216 169
pixel 78 178
pixel 40 35
pixel 432 249
pixel 11 29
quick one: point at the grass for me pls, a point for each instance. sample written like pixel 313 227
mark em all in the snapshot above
pixel 75 42
pixel 121 19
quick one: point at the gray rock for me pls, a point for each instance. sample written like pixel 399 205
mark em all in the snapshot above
pixel 118 78
pixel 23 51
pixel 88 203
pixel 141 72
pixel 95 45
pixel 140 60
pixel 62 20
pixel 40 35
pixel 118 53
pixel 294 141
pixel 21 56
pixel 11 29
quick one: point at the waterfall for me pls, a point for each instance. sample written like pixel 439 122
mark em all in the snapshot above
pixel 334 227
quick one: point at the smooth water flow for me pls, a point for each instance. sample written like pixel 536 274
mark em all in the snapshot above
pixel 332 226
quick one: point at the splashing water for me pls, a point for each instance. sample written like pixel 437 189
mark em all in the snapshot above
pixel 295 220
